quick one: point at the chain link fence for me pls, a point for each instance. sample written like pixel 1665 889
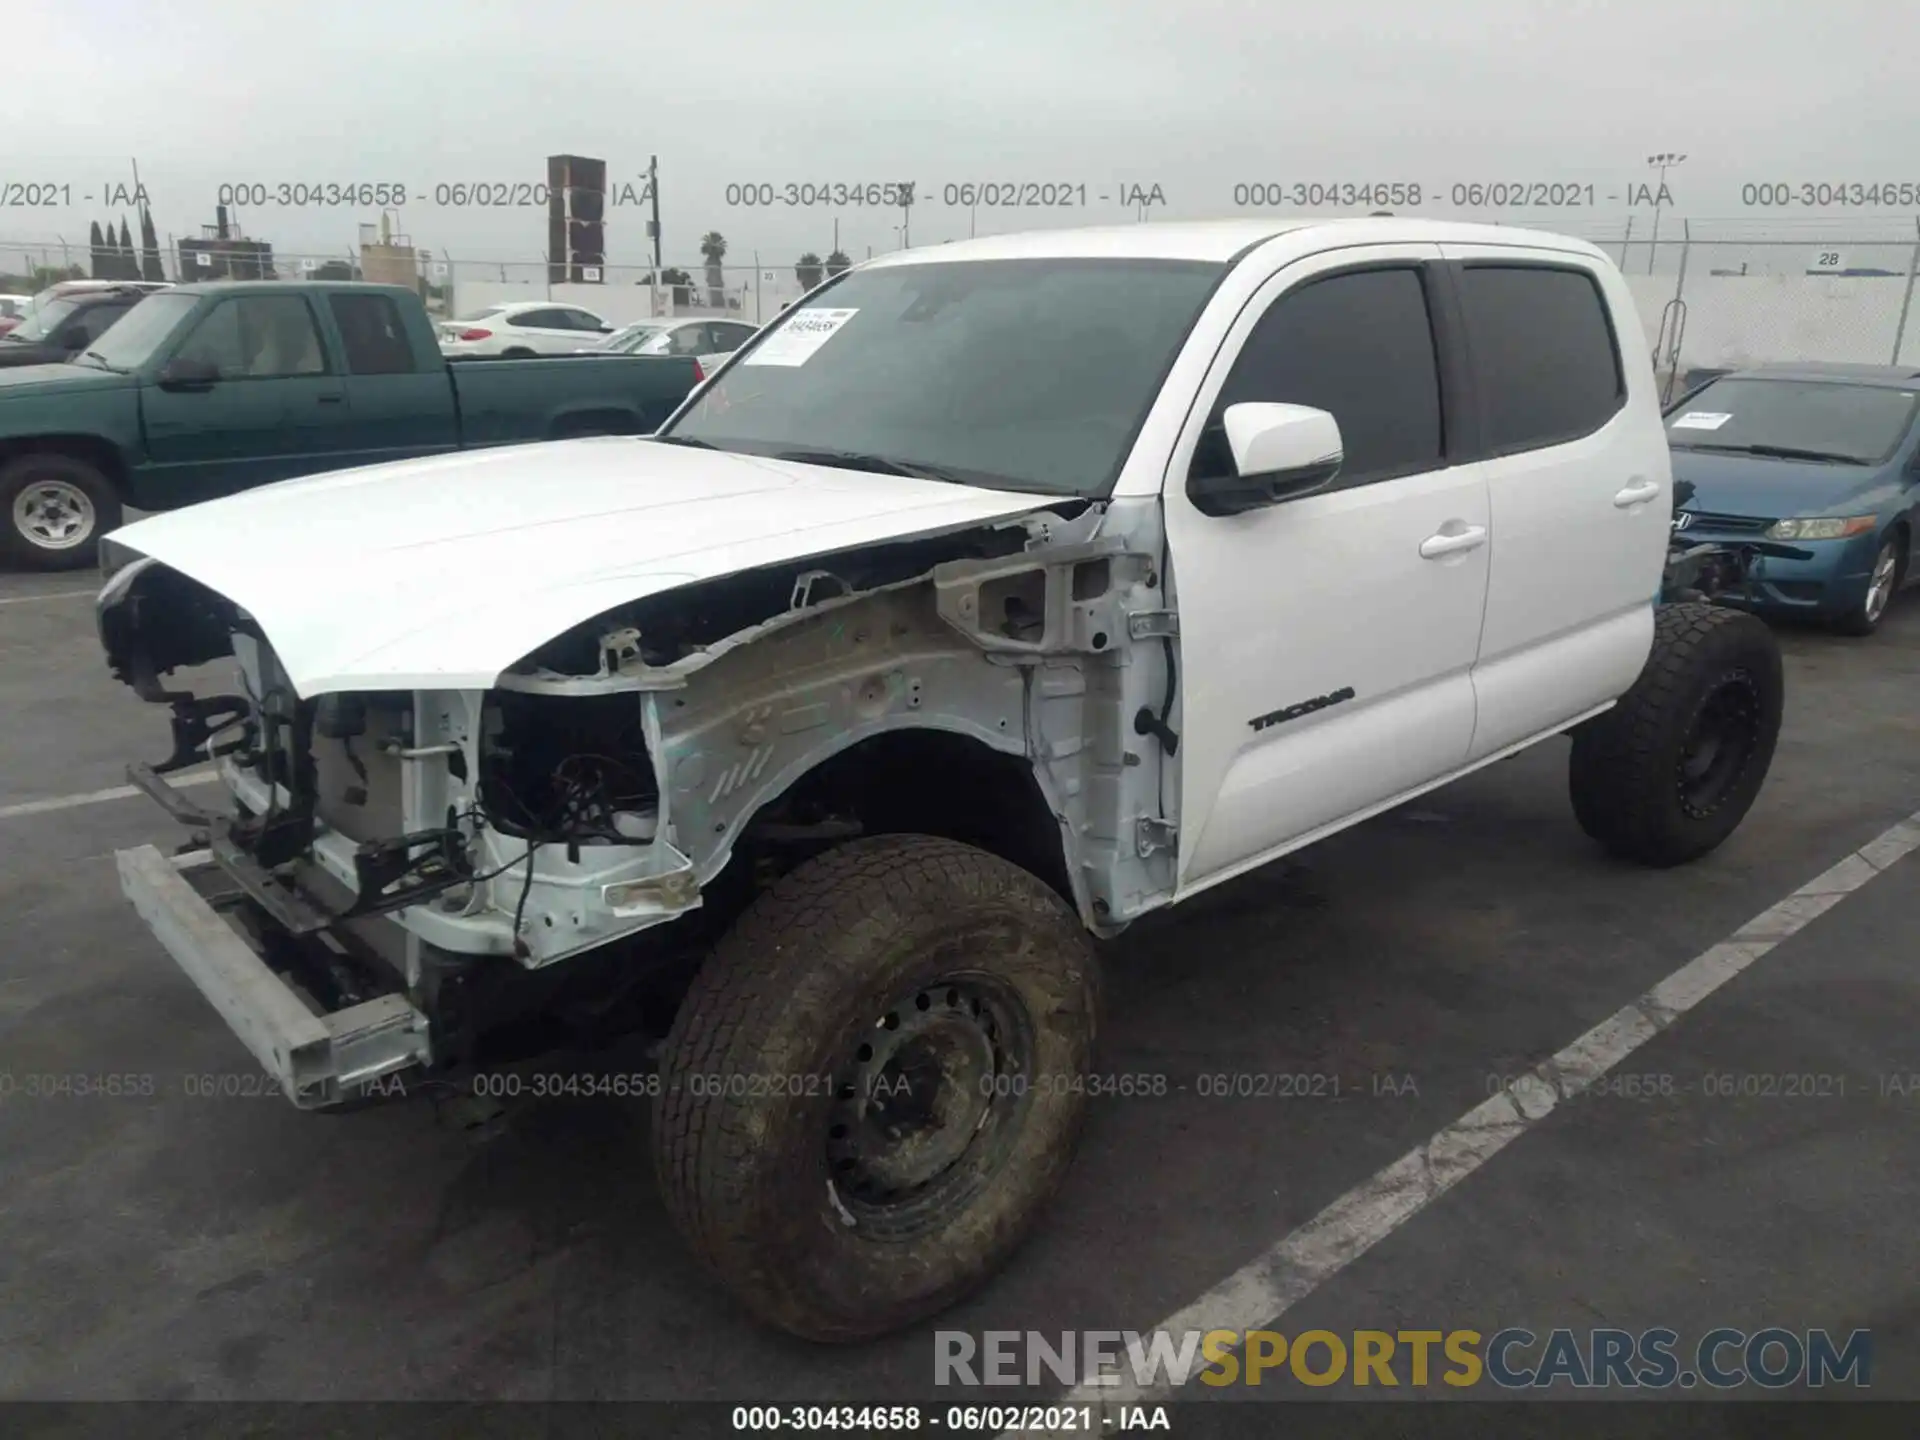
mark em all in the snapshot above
pixel 1712 295
pixel 450 286
pixel 1719 295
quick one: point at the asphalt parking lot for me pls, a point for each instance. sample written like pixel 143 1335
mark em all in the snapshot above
pixel 167 1244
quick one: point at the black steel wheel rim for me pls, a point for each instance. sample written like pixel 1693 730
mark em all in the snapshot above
pixel 927 1103
pixel 1720 745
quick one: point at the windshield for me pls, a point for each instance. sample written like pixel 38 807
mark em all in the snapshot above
pixel 1012 374
pixel 44 320
pixel 140 330
pixel 1817 419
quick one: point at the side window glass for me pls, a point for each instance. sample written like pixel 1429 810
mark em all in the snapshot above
pixel 258 337
pixel 373 334
pixel 1358 345
pixel 1546 363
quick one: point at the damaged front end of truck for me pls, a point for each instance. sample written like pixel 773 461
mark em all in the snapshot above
pixel 399 877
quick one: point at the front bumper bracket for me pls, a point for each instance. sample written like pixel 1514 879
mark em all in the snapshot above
pixel 319 1058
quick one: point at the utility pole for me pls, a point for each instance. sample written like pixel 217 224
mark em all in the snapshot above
pixel 653 193
pixel 1662 162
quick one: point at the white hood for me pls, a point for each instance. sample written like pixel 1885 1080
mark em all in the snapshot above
pixel 441 573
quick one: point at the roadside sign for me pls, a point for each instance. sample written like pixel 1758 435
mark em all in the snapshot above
pixel 203 260
pixel 309 265
pixel 770 277
pixel 438 269
pixel 590 274
pixel 1828 262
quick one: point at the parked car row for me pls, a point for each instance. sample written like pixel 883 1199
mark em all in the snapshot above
pixel 526 328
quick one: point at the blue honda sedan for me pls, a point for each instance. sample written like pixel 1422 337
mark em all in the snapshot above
pixel 1825 457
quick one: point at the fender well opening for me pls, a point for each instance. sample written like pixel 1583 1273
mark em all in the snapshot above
pixel 929 782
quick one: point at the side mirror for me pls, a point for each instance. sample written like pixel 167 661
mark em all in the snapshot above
pixel 604 329
pixel 188 373
pixel 1280 452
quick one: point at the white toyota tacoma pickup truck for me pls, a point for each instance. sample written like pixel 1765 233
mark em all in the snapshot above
pixel 994 596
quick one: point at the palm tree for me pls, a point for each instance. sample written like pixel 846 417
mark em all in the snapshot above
pixel 837 262
pixel 129 263
pixel 807 270
pixel 98 245
pixel 713 245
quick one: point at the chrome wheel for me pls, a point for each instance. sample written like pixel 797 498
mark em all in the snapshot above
pixel 54 514
pixel 1880 587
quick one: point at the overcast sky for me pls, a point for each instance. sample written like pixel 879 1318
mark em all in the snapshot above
pixel 1193 96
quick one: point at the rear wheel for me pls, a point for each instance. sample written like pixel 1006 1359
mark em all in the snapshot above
pixel 875 1084
pixel 57 507
pixel 1888 571
pixel 1673 768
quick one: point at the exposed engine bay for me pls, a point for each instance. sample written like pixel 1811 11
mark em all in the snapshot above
pixel 603 785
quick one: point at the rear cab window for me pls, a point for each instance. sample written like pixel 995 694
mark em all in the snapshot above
pixel 373 334
pixel 1545 357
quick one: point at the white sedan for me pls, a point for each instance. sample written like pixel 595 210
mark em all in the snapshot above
pixel 525 327
pixel 708 341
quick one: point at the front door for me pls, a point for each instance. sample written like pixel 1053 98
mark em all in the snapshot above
pixel 1327 642
pixel 277 409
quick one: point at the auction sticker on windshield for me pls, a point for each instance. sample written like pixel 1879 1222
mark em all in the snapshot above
pixel 794 342
pixel 1700 420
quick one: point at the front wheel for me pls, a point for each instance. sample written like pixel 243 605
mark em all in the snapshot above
pixel 1670 771
pixel 57 507
pixel 1865 617
pixel 875 1084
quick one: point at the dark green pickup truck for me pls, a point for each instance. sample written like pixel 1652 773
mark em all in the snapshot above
pixel 203 390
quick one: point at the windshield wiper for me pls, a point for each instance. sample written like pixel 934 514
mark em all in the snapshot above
pixel 101 360
pixel 1779 452
pixel 686 440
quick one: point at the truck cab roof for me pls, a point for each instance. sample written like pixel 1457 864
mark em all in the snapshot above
pixel 1222 240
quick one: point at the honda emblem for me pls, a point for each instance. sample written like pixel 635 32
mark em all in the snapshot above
pixel 1682 519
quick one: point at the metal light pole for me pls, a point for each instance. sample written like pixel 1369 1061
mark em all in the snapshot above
pixel 1662 162
pixel 653 195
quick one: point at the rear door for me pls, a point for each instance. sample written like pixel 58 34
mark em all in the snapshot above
pixel 1579 480
pixel 1327 641
pixel 277 409
pixel 401 405
pixel 545 331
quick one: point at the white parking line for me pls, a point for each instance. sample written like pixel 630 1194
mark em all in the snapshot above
pixel 50 595
pixel 97 797
pixel 1263 1290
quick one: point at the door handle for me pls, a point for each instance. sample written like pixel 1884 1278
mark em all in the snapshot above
pixel 1636 494
pixel 1438 547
